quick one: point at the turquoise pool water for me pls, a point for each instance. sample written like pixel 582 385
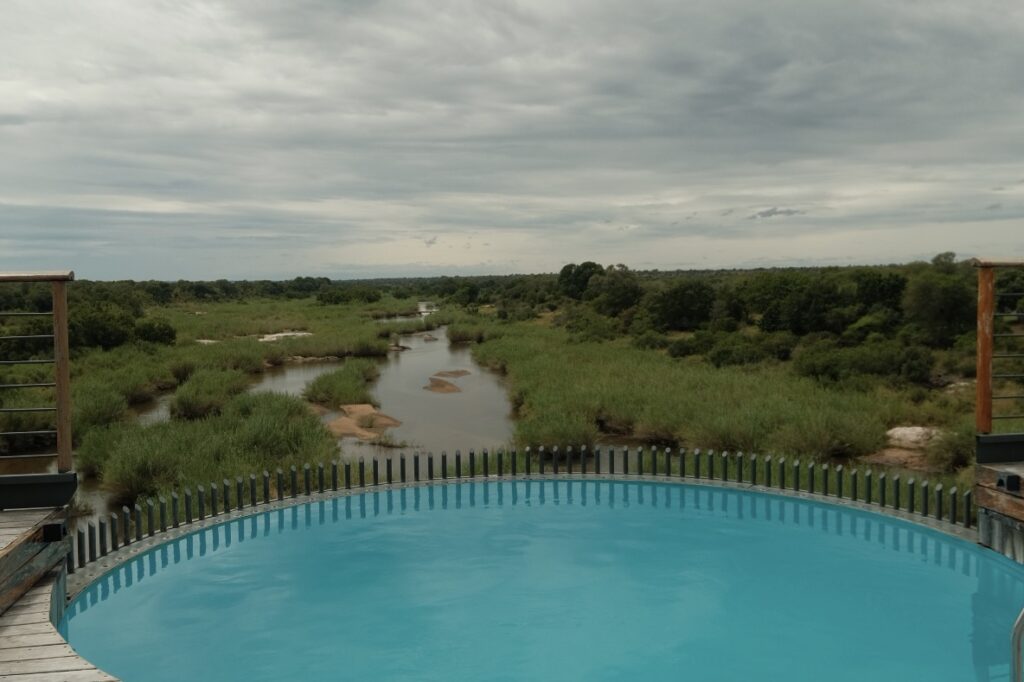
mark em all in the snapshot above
pixel 556 580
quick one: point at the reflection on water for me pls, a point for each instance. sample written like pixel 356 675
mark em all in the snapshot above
pixel 826 580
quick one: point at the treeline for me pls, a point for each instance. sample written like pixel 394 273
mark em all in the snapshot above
pixel 914 322
pixel 831 321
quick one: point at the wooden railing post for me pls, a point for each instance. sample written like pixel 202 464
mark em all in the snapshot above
pixel 986 316
pixel 62 374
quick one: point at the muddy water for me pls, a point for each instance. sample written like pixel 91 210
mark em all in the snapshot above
pixel 477 416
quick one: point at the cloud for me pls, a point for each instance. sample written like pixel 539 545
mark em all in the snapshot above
pixel 150 139
pixel 773 212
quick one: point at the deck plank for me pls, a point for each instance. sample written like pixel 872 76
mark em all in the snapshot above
pixel 47 665
pixel 33 652
pixel 93 675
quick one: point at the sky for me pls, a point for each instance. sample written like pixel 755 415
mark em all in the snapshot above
pixel 359 138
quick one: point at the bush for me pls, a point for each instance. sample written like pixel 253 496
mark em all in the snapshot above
pixel 736 350
pixel 96 404
pixel 155 330
pixel 650 340
pixel 346 385
pixel 683 306
pixel 206 392
pixel 953 448
pixel 698 344
pixel 779 345
pixel 181 370
pixel 825 359
pixel 254 432
pixel 105 326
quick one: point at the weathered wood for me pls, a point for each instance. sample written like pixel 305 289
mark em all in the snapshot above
pixel 47 665
pixel 1005 504
pixel 92 675
pixel 34 652
pixel 28 573
pixel 41 276
pixel 41 627
pixel 986 317
pixel 62 374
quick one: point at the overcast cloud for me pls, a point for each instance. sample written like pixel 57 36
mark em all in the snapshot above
pixel 259 138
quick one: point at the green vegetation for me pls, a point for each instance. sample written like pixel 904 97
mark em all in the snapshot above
pixel 575 392
pixel 207 392
pixel 344 386
pixel 814 362
pixel 253 432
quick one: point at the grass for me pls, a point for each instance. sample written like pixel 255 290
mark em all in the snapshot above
pixel 344 386
pixel 576 392
pixel 207 392
pixel 253 432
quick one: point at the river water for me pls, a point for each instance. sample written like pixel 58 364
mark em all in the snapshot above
pixel 478 416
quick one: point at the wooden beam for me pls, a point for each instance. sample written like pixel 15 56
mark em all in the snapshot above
pixel 1011 263
pixel 53 276
pixel 62 375
pixel 986 316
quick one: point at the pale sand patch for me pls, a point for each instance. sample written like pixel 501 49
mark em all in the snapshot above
pixel 206 342
pixel 282 335
pixel 453 373
pixel 441 386
pixel 361 421
pixel 429 337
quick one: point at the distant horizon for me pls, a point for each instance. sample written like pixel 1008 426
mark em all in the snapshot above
pixel 751 268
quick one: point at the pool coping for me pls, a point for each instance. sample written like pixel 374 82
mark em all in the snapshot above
pixel 62 588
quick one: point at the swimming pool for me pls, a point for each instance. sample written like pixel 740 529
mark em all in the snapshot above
pixel 555 580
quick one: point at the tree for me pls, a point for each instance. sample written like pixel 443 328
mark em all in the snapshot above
pixel 573 279
pixel 879 288
pixel 683 306
pixel 942 306
pixel 613 291
pixel 155 330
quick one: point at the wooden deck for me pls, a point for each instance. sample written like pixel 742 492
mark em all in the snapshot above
pixel 31 544
pixel 31 649
pixel 17 522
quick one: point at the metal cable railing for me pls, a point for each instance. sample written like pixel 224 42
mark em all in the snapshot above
pixel 987 369
pixel 61 407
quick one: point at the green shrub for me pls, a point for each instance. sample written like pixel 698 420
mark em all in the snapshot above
pixel 253 432
pixel 155 330
pixel 206 392
pixel 96 404
pixel 346 385
pixel 953 448
pixel 650 340
pixel 698 344
pixel 827 360
pixel 736 350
